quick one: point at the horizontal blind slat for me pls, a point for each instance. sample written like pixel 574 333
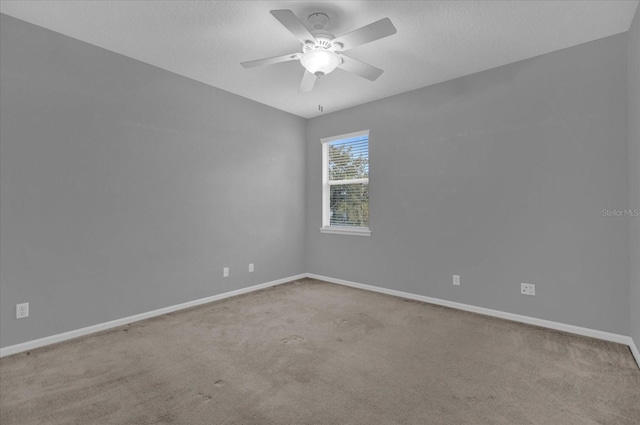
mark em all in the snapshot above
pixel 349 181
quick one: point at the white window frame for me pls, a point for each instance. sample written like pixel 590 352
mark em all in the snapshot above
pixel 326 213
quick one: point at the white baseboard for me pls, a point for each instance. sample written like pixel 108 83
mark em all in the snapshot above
pixel 634 351
pixel 41 342
pixel 53 339
pixel 607 336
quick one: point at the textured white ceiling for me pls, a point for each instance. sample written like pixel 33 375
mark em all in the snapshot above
pixel 436 40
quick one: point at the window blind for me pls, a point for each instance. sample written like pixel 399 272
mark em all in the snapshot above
pixel 348 179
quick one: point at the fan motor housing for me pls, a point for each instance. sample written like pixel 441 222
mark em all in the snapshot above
pixel 323 41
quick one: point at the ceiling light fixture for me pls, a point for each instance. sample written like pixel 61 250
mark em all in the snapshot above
pixel 320 62
pixel 322 52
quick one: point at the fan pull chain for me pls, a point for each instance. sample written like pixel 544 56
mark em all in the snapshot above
pixel 320 105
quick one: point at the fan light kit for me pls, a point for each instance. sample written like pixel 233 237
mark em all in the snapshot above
pixel 322 51
pixel 320 62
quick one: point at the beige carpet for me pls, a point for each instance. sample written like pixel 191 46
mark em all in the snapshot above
pixel 310 352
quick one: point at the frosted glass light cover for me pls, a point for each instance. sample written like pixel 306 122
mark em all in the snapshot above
pixel 320 62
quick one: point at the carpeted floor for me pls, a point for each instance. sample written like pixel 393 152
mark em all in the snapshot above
pixel 311 352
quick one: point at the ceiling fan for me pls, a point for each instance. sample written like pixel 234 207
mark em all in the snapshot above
pixel 322 51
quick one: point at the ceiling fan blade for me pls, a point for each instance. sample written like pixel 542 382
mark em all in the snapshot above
pixel 270 61
pixel 293 24
pixel 308 81
pixel 362 69
pixel 375 31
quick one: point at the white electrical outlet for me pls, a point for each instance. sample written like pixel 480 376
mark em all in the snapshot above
pixel 456 279
pixel 22 310
pixel 225 272
pixel 528 289
pixel 251 268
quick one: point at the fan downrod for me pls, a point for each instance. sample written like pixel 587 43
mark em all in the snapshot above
pixel 318 21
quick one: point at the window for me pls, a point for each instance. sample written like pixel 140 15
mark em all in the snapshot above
pixel 345 184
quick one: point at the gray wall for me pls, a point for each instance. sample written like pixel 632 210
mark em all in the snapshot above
pixel 126 188
pixel 500 177
pixel 634 172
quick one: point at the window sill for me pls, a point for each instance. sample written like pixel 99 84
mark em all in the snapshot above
pixel 353 231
